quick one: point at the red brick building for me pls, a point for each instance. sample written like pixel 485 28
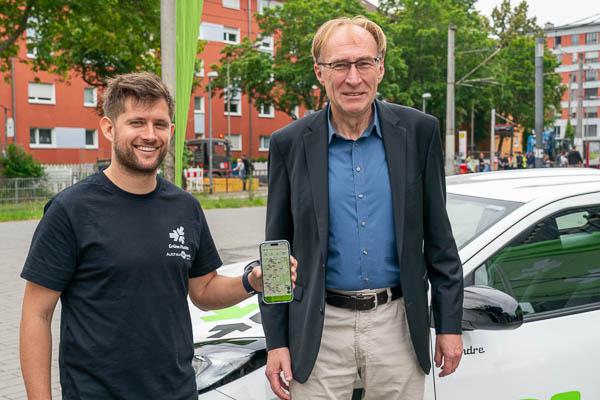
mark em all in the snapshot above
pixel 572 44
pixel 57 121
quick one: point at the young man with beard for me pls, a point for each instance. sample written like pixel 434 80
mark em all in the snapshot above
pixel 122 250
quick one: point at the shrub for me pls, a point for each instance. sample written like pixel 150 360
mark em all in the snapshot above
pixel 17 163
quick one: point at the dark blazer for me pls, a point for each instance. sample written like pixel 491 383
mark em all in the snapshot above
pixel 298 211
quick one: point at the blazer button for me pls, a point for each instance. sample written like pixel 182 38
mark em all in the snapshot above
pixel 321 310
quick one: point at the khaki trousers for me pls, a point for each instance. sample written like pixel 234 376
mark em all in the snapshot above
pixel 373 345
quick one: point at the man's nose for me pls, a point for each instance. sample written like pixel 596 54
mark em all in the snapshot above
pixel 353 76
pixel 149 132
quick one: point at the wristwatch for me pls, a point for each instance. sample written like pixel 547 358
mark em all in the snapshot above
pixel 247 271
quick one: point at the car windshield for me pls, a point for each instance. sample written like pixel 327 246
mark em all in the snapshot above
pixel 471 216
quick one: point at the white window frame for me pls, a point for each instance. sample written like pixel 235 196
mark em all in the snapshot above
pixel 591 38
pixel 233 147
pixel 91 146
pixel 231 4
pixel 37 144
pixel 94 95
pixel 260 142
pixel 234 31
pixel 37 100
pixel 201 109
pixel 297 112
pixel 30 36
pixel 270 114
pixel 238 97
pixel 262 4
pixel 200 73
pixel 266 44
pixel 588 128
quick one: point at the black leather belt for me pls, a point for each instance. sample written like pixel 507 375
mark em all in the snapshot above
pixel 362 302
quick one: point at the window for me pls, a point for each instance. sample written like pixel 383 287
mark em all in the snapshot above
pixel 89 97
pixel 591 93
pixel 234 105
pixel 471 216
pixel 557 41
pixel 266 44
pixel 31 39
pixel 41 93
pixel 559 58
pixel 199 68
pixel 231 4
pixel 591 38
pixel 211 32
pixel 590 130
pixel 236 142
pixel 591 112
pixel 551 266
pixel 41 137
pixel 557 131
pixel 264 143
pixel 264 4
pixel 590 75
pixel 267 111
pixel 591 57
pixel 574 40
pixel 231 35
pixel 91 138
pixel 199 105
pixel 574 58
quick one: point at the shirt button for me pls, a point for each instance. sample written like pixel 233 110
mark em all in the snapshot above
pixel 365 252
pixel 357 169
pixel 360 195
pixel 364 223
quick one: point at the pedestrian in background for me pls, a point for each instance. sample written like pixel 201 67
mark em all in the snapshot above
pixel 574 158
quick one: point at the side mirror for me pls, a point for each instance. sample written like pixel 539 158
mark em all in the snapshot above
pixel 490 309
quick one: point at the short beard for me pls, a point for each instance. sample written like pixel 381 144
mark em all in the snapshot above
pixel 127 159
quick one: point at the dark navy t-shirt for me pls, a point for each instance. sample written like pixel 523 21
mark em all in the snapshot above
pixel 122 262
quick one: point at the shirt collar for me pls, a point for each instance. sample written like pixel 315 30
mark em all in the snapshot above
pixel 374 124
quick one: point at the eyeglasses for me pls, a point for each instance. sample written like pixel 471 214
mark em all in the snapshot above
pixel 343 67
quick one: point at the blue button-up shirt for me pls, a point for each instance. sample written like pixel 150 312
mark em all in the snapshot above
pixel 362 242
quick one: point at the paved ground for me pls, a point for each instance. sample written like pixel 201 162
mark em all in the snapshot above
pixel 237 233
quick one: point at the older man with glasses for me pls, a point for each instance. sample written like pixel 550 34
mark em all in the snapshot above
pixel 358 190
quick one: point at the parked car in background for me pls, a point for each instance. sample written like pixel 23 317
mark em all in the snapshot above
pixel 529 241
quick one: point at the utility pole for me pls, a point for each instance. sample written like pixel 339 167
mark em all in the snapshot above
pixel 450 102
pixel 492 138
pixel 579 127
pixel 539 101
pixel 168 43
pixel 472 127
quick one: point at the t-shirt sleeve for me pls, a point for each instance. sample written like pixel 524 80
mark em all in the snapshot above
pixel 52 256
pixel 207 257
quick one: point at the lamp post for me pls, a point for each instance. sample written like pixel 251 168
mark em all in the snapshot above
pixel 211 75
pixel 425 97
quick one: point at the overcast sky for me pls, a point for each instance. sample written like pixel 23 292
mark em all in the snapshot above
pixel 559 12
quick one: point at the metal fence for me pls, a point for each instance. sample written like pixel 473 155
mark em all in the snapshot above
pixel 18 190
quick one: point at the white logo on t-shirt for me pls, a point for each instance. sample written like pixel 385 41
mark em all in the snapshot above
pixel 178 237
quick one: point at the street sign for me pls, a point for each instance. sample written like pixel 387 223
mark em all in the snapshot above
pixel 10 127
pixel 462 144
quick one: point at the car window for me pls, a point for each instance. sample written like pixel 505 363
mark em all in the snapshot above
pixel 553 265
pixel 471 216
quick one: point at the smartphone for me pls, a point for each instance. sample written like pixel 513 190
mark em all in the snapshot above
pixel 277 277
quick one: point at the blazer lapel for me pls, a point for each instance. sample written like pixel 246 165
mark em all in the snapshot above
pixel 316 151
pixel 393 131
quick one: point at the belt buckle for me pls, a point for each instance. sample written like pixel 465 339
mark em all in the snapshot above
pixel 364 296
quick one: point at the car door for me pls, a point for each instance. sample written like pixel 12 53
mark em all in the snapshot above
pixel 550 263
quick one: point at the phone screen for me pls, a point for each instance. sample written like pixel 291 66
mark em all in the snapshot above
pixel 275 264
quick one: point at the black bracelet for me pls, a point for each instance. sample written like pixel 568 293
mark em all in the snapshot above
pixel 245 281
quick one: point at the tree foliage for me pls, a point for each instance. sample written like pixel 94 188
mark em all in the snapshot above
pixel 17 163
pixel 94 39
pixel 495 57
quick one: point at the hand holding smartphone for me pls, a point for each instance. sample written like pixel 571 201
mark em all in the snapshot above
pixel 277 278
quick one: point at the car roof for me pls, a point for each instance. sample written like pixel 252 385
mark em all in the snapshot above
pixel 526 185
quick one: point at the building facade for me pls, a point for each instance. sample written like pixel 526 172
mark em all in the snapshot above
pixel 577 47
pixel 57 121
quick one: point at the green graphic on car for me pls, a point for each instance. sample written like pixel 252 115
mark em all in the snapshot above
pixel 234 312
pixel 574 395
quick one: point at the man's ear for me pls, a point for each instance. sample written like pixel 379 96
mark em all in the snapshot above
pixel 172 130
pixel 107 128
pixel 319 73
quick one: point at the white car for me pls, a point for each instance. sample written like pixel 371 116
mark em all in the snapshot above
pixel 529 241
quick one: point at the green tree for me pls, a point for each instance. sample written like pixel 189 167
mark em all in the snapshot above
pixel 514 67
pixel 286 79
pixel 570 131
pixel 94 39
pixel 17 163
